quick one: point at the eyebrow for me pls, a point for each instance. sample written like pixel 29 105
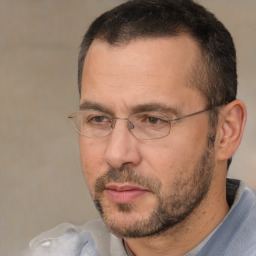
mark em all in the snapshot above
pixel 93 105
pixel 157 107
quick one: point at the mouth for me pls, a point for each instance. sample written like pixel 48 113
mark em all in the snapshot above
pixel 124 193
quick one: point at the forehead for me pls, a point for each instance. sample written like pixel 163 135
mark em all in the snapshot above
pixel 140 70
pixel 165 51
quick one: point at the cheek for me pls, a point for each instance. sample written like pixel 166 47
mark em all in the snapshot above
pixel 169 159
pixel 92 159
pixel 158 162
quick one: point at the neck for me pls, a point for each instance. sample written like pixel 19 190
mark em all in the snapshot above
pixel 184 236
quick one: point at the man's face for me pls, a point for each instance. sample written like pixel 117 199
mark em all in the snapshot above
pixel 142 187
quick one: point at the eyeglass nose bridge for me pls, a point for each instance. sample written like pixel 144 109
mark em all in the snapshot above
pixel 130 124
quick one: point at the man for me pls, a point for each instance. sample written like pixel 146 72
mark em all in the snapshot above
pixel 159 123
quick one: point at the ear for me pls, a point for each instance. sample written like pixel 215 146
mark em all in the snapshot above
pixel 231 126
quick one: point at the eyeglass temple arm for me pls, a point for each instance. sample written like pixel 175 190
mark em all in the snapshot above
pixel 193 114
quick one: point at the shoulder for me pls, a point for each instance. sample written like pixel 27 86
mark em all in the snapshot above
pixel 236 235
pixel 244 239
pixel 240 224
pixel 69 240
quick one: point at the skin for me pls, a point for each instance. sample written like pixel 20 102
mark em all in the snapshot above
pixel 156 71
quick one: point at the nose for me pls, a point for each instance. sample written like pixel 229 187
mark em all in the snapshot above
pixel 122 146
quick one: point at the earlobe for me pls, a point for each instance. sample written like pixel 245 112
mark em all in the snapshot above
pixel 231 126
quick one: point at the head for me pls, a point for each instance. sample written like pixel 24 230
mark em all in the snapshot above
pixel 170 56
pixel 215 69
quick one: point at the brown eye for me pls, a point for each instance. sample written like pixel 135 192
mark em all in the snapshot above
pixel 98 119
pixel 153 120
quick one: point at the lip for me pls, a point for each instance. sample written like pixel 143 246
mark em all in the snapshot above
pixel 124 193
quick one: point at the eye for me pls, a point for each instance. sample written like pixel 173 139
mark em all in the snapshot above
pixel 97 119
pixel 151 119
pixel 155 121
pixel 91 118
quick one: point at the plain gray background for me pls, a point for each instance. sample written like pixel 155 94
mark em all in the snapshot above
pixel 41 184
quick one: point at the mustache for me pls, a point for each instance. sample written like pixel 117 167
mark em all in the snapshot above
pixel 127 175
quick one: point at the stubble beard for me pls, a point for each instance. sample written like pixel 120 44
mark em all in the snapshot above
pixel 185 194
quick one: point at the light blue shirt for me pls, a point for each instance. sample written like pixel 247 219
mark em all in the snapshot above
pixel 235 236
